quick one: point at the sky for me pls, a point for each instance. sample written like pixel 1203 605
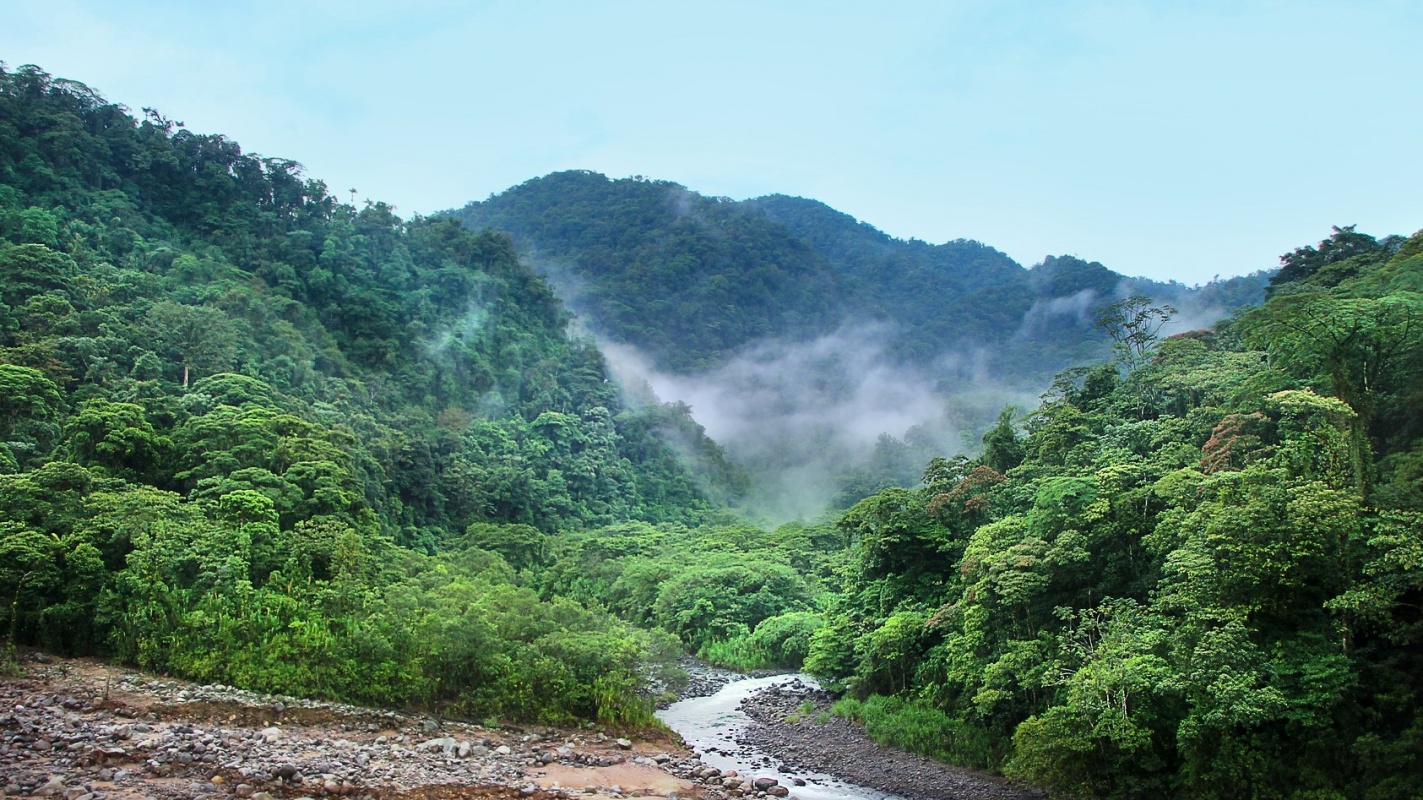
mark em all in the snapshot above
pixel 1175 140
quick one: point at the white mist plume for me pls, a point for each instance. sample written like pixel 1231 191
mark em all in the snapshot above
pixel 805 414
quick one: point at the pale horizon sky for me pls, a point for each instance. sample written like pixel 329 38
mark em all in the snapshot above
pixel 1175 140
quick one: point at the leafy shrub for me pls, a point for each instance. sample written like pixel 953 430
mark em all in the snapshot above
pixel 785 639
pixel 917 727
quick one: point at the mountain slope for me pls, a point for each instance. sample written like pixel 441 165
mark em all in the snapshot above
pixel 828 357
pixel 251 435
pixel 690 279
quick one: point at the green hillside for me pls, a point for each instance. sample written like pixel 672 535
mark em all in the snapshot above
pixel 1193 572
pixel 238 419
pixel 691 280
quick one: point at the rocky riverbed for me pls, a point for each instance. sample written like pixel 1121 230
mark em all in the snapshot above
pixel 78 728
pixel 808 739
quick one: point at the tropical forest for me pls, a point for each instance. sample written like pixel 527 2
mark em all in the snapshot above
pixel 254 435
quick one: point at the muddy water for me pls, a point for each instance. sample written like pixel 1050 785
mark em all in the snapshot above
pixel 710 725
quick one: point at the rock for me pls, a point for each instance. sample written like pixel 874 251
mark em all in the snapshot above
pixel 445 744
pixel 623 744
pixel 362 759
pixel 503 750
pixel 429 725
pixel 263 796
pixel 270 735
pixel 50 788
pixel 763 783
pixel 778 791
pixel 463 750
pixel 243 790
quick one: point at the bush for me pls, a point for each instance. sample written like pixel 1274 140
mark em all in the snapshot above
pixel 918 727
pixel 785 639
pixel 734 652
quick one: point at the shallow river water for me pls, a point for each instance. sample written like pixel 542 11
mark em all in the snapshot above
pixel 710 724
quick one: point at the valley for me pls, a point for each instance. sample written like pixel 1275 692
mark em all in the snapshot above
pixel 276 468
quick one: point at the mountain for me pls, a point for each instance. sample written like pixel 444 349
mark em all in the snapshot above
pixel 251 434
pixel 692 280
pixel 828 358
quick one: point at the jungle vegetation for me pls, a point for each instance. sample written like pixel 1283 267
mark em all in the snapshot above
pixel 253 435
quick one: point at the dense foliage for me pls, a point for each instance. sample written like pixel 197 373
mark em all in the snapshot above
pixel 732 594
pixel 237 417
pixel 250 434
pixel 691 280
pixel 1194 572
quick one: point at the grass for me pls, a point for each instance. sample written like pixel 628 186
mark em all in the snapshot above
pixel 737 653
pixel 918 727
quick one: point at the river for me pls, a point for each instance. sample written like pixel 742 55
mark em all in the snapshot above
pixel 710 725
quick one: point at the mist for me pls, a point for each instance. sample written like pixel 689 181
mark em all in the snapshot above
pixel 811 420
pixel 820 422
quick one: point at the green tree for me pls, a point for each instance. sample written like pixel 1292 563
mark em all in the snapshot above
pixel 117 436
pixel 199 337
pixel 29 573
pixel 1133 325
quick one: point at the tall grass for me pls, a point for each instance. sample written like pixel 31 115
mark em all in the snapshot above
pixel 736 653
pixel 920 728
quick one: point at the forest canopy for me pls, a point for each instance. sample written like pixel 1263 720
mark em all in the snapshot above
pixel 254 435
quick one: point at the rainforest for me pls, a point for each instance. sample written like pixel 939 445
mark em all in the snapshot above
pixel 254 435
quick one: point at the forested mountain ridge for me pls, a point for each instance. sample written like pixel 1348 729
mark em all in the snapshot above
pixel 828 358
pixel 691 279
pixel 1196 573
pixel 237 417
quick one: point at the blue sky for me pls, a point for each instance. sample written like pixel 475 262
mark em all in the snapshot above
pixel 1171 139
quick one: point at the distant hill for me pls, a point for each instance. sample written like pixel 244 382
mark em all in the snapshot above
pixel 691 280
pixel 828 357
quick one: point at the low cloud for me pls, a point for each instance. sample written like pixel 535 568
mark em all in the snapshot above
pixel 804 416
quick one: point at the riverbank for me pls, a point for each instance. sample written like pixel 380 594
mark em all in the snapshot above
pixel 806 738
pixel 84 730
pixel 79 728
